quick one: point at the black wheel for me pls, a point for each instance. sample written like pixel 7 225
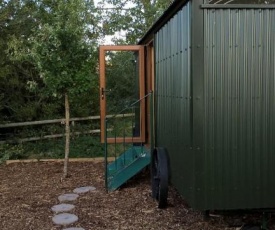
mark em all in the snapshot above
pixel 160 176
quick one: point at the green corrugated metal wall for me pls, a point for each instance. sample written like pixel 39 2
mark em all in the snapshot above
pixel 173 76
pixel 234 167
pixel 239 111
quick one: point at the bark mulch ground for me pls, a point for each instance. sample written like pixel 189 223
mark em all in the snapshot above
pixel 29 190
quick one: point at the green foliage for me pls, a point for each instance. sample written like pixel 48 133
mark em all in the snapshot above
pixel 9 151
pixel 59 49
pixel 47 47
pixel 135 21
pixel 81 146
pixel 15 21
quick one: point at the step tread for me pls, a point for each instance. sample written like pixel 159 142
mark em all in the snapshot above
pixel 119 174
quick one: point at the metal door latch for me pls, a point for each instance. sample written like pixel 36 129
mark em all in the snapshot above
pixel 103 91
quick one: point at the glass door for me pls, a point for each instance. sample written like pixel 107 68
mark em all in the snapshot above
pixel 122 88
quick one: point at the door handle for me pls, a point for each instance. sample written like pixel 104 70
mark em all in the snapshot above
pixel 103 91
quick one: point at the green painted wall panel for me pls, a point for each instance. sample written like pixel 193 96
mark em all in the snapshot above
pixel 222 157
pixel 239 108
pixel 173 91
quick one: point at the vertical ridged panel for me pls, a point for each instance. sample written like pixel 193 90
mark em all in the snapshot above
pixel 239 118
pixel 172 52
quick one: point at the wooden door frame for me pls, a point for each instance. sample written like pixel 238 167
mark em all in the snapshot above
pixel 150 87
pixel 102 86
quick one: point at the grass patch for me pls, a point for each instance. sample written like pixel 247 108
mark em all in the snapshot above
pixel 80 146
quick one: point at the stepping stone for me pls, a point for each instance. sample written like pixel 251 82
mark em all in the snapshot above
pixel 63 208
pixel 64 219
pixel 84 189
pixel 73 228
pixel 68 197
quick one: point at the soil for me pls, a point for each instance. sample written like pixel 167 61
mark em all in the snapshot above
pixel 29 190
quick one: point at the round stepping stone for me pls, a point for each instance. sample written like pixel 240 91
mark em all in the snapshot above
pixel 63 208
pixel 65 219
pixel 68 197
pixel 73 228
pixel 84 189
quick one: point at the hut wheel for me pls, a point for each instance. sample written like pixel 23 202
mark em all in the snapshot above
pixel 160 176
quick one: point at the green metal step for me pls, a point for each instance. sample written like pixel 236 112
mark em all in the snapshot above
pixel 126 166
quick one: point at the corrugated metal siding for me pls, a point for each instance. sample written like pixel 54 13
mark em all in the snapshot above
pixel 239 119
pixel 172 53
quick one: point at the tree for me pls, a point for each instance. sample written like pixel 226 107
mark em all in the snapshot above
pixel 134 20
pixel 14 75
pixel 61 49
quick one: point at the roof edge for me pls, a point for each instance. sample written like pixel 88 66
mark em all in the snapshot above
pixel 167 14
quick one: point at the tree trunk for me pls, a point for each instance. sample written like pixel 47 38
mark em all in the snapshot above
pixel 67 134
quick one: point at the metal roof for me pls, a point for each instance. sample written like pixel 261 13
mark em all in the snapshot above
pixel 170 12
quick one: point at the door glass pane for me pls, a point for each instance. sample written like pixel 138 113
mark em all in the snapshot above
pixel 121 91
